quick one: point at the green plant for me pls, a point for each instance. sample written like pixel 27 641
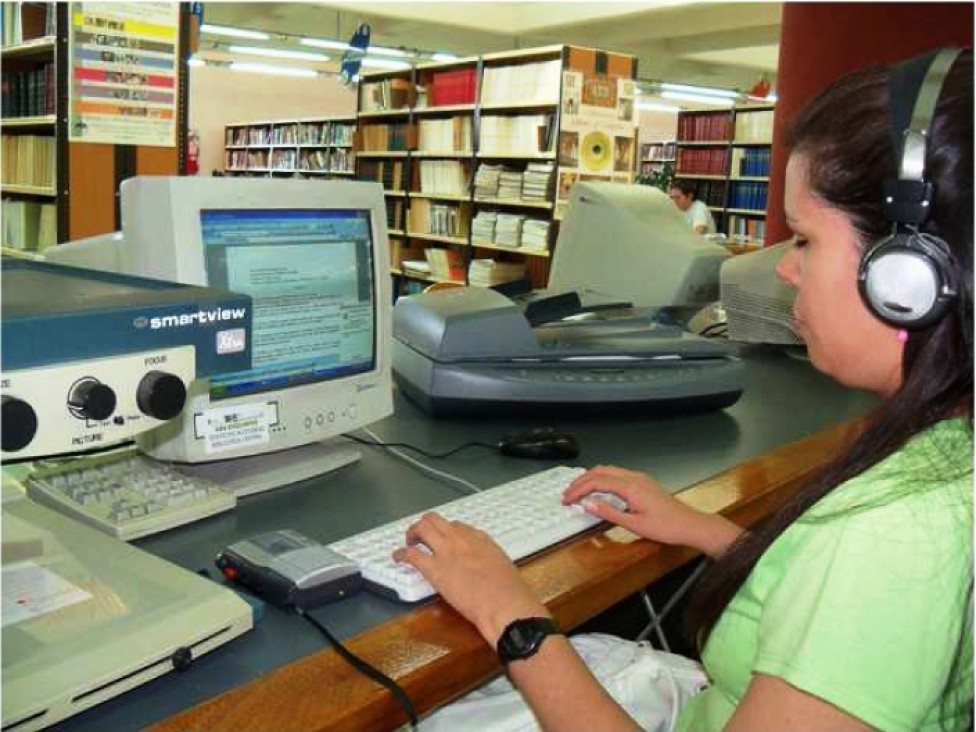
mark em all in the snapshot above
pixel 660 177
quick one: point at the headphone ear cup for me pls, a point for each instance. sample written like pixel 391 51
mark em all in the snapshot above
pixel 903 281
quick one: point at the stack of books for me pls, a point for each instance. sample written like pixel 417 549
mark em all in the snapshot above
pixel 415 267
pixel 535 234
pixel 536 181
pixel 488 272
pixel 483 226
pixel 508 230
pixel 486 181
pixel 509 183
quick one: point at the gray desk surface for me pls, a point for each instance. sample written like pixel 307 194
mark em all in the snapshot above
pixel 785 399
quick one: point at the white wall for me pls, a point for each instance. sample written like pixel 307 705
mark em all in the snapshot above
pixel 655 127
pixel 219 96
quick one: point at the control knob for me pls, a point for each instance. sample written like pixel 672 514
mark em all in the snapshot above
pixel 19 423
pixel 161 395
pixel 91 399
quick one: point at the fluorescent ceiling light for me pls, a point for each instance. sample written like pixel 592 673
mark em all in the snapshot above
pixel 194 61
pixel 272 69
pixel 223 30
pixel 658 107
pixel 278 53
pixel 383 51
pixel 383 63
pixel 700 98
pixel 700 90
pixel 443 57
pixel 322 43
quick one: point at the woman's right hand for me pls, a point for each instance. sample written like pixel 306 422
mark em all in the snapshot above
pixel 652 512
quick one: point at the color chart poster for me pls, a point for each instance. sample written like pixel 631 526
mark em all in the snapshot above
pixel 123 73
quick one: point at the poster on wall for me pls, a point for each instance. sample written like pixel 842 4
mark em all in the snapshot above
pixel 123 73
pixel 597 131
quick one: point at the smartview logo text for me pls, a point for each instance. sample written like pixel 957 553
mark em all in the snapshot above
pixel 201 317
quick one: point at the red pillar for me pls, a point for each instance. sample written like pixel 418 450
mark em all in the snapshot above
pixel 821 42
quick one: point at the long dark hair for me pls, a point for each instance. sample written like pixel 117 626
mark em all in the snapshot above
pixel 844 134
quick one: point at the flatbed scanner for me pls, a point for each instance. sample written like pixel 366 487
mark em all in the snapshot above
pixel 472 351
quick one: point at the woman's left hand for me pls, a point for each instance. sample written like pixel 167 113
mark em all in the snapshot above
pixel 471 573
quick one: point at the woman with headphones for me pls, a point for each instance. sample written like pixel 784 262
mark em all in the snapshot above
pixel 851 608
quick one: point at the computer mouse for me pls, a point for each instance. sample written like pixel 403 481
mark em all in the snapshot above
pixel 541 443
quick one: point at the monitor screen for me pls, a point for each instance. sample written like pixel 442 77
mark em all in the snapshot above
pixel 310 274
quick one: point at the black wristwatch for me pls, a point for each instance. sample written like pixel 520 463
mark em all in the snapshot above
pixel 522 638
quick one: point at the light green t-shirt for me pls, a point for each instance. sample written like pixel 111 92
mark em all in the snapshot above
pixel 862 608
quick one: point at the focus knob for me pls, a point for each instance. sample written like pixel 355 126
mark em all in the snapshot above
pixel 91 399
pixel 161 395
pixel 19 423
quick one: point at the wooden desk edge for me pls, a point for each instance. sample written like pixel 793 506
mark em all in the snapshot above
pixel 437 656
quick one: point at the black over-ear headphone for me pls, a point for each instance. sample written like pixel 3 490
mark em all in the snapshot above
pixel 907 278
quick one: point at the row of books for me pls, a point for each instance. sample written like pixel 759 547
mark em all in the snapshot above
pixel 748 195
pixel 703 161
pixel 536 82
pixel 28 225
pixel 704 127
pixel 448 264
pixel 339 159
pixel 711 192
pixel 383 137
pixel 23 22
pixel 452 87
pixel 526 134
pixel 754 126
pixel 448 177
pixel 245 159
pixel 29 160
pixel 438 219
pixel 745 229
pixel 396 215
pixel 28 93
pixel 385 95
pixel 510 230
pixel 751 161
pixel 391 174
pixel 445 135
pixel 658 151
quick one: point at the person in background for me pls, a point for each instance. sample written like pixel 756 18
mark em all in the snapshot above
pixel 851 608
pixel 696 213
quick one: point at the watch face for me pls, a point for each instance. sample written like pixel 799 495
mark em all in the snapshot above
pixel 522 638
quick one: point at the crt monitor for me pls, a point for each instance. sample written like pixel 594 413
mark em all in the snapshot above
pixel 313 255
pixel 758 304
pixel 623 242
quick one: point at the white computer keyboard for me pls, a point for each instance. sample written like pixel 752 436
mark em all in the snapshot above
pixel 126 494
pixel 524 516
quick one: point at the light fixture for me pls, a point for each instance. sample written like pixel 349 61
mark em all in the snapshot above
pixel 384 51
pixel 223 30
pixel 272 69
pixel 194 61
pixel 323 43
pixel 658 107
pixel 278 53
pixel 384 63
pixel 699 90
pixel 700 98
pixel 443 57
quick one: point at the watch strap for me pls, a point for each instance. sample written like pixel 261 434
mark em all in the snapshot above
pixel 522 638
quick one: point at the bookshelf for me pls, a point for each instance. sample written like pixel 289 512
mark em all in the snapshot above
pixel 727 153
pixel 654 155
pixel 476 157
pixel 29 182
pixel 55 187
pixel 321 147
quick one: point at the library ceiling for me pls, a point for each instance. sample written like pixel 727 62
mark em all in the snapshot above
pixel 723 44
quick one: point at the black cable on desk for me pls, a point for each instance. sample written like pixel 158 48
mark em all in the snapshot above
pixel 433 456
pixel 367 670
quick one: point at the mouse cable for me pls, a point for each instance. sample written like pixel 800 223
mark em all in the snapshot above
pixel 367 669
pixel 467 485
pixel 433 456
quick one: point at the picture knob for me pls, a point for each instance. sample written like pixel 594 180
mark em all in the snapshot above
pixel 91 399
